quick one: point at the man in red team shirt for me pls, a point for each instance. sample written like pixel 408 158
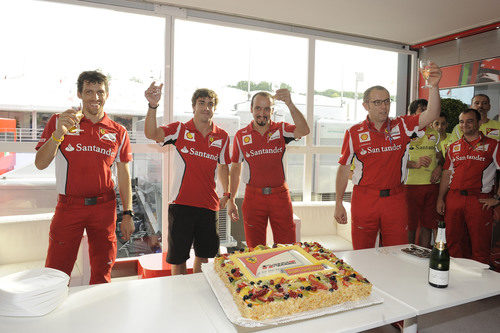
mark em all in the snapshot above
pixel 260 147
pixel 470 166
pixel 378 149
pixel 84 182
pixel 201 150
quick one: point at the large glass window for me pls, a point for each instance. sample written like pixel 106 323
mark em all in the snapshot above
pixel 236 63
pixel 47 46
pixel 343 72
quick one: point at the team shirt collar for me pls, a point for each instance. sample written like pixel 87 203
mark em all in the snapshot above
pixel 192 127
pixel 272 126
pixel 475 142
pixel 385 127
pixel 104 121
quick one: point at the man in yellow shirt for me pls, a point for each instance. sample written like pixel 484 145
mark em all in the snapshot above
pixel 489 127
pixel 424 171
pixel 445 139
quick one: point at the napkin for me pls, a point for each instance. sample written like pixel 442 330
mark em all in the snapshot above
pixel 33 292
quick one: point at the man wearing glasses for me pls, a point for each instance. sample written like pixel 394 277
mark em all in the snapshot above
pixel 378 148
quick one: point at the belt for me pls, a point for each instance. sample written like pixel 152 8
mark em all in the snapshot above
pixel 384 192
pixel 473 193
pixel 268 190
pixel 90 201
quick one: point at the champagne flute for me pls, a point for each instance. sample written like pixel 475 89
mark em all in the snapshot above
pixel 425 69
pixel 79 116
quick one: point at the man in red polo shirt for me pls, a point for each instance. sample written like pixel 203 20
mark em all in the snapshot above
pixel 470 166
pixel 201 151
pixel 84 150
pixel 260 147
pixel 378 148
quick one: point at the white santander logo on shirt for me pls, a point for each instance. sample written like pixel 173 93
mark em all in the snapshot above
pixel 263 151
pixel 194 152
pixel 69 148
pixel 80 147
pixel 375 150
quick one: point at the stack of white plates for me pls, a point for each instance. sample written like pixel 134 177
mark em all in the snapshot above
pixel 34 292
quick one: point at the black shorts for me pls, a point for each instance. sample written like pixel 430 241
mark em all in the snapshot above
pixel 191 226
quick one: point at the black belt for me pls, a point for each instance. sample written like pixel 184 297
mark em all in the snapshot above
pixel 385 193
pixel 381 193
pixel 268 190
pixel 89 201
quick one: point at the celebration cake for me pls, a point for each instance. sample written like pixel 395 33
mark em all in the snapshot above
pixel 286 279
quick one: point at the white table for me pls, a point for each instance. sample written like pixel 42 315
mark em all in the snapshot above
pixel 405 277
pixel 187 303
pixel 177 304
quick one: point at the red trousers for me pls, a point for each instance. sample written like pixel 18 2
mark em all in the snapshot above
pixel 422 201
pixel 257 208
pixel 372 212
pixel 66 231
pixel 467 222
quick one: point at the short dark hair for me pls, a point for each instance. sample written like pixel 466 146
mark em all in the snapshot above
pixel 263 94
pixel 478 115
pixel 366 95
pixel 480 95
pixel 91 77
pixel 442 114
pixel 204 92
pixel 412 109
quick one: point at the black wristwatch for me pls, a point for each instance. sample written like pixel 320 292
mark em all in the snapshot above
pixel 128 212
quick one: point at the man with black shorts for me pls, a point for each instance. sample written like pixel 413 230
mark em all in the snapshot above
pixel 201 152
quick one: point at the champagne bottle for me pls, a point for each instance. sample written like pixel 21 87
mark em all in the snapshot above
pixel 439 264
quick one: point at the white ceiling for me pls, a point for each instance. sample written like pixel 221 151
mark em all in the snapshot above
pixel 403 21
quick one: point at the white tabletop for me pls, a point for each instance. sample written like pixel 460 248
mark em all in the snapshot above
pixel 405 277
pixel 178 304
pixel 187 303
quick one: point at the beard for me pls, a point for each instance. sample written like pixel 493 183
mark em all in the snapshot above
pixel 262 121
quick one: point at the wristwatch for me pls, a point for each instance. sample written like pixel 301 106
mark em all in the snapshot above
pixel 128 212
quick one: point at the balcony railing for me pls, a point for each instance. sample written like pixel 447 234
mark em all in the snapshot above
pixel 31 135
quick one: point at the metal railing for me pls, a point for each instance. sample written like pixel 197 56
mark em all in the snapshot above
pixel 33 135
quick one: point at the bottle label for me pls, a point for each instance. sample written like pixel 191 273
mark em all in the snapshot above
pixel 440 246
pixel 439 278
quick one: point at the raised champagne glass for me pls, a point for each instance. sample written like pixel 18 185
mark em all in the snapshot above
pixel 425 69
pixel 79 116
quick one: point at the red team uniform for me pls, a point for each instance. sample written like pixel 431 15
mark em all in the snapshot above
pixel 86 194
pixel 266 193
pixel 473 176
pixel 196 159
pixel 378 199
